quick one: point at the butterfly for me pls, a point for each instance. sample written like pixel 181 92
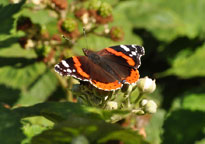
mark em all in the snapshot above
pixel 107 69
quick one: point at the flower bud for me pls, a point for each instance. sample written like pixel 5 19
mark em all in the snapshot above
pixel 80 140
pixel 138 111
pixel 112 105
pixel 143 102
pixel 146 85
pixel 149 106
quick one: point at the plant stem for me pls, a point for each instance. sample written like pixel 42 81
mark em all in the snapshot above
pixel 138 98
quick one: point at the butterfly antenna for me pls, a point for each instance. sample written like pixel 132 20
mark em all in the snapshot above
pixel 66 38
pixel 85 37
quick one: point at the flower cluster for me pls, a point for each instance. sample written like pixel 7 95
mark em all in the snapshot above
pixel 94 16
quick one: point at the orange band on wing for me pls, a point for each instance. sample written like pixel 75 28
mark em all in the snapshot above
pixel 107 86
pixel 77 65
pixel 129 60
pixel 134 76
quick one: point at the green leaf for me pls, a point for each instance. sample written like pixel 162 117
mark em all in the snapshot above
pixel 201 141
pixel 41 17
pixel 33 126
pixel 40 89
pixel 122 21
pixel 96 131
pixel 21 75
pixel 9 95
pixel 187 66
pixel 4 2
pixel 10 127
pixel 94 43
pixel 9 49
pixel 194 99
pixel 6 17
pixel 194 102
pixel 59 111
pixel 167 19
pixel 52 27
pixel 184 126
pixel 154 127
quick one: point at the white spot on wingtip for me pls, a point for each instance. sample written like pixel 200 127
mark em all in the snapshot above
pixel 134 53
pixel 125 48
pixel 65 63
pixel 69 71
pixel 134 46
pixel 57 66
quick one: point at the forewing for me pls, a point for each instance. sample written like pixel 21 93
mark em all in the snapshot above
pixel 130 53
pixel 68 66
pixel 124 61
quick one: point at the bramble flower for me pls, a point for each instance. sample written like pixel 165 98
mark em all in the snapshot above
pixel 94 5
pixel 69 25
pixel 116 33
pixel 102 12
pixel 105 10
pixel 69 28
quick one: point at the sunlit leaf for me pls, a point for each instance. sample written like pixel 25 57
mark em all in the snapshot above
pixel 38 16
pixel 8 49
pixel 20 75
pixel 154 127
pixel 39 90
pixel 167 19
pixel 33 126
pixel 187 66
pixel 7 12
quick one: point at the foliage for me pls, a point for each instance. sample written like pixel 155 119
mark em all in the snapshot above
pixel 39 106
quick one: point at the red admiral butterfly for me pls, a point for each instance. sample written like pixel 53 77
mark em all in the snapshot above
pixel 107 69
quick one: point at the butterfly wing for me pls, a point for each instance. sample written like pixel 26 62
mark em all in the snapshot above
pixel 130 53
pixel 124 60
pixel 82 68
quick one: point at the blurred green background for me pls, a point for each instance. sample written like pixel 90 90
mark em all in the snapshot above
pixel 172 33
